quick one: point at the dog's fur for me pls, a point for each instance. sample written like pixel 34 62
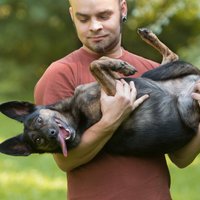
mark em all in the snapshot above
pixel 165 122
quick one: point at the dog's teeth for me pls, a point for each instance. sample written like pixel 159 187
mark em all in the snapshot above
pixel 67 138
pixel 59 124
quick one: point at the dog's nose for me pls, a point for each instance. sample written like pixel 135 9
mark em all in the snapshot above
pixel 52 132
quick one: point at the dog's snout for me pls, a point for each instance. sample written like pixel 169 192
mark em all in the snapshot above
pixel 52 132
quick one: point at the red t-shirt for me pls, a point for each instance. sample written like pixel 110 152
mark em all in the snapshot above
pixel 106 177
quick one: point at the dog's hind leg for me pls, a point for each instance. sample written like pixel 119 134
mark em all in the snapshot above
pixel 149 37
pixel 104 70
pixel 170 67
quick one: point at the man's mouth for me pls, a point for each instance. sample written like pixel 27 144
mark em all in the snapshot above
pixel 64 135
pixel 97 37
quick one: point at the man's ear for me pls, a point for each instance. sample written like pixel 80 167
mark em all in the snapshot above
pixel 17 110
pixel 71 13
pixel 124 8
pixel 16 146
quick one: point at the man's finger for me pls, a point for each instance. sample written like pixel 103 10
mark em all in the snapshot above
pixel 197 87
pixel 196 96
pixel 119 87
pixel 133 91
pixel 140 101
pixel 103 94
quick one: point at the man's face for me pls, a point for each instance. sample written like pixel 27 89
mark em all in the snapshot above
pixel 98 24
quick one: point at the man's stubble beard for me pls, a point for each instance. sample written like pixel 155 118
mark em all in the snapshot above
pixel 105 46
pixel 102 48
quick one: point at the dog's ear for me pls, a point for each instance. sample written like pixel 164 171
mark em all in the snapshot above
pixel 17 110
pixel 16 146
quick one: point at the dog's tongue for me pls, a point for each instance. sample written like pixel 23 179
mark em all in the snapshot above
pixel 61 137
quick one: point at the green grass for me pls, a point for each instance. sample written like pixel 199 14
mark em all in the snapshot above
pixel 38 178
pixel 185 182
pixel 32 178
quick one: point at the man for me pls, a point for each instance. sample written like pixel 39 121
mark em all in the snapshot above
pixel 91 173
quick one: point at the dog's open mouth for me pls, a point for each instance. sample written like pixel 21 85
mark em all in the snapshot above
pixel 64 135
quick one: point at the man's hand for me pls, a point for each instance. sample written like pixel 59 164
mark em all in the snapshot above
pixel 196 93
pixel 115 109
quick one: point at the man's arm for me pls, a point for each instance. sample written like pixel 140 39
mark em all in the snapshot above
pixel 115 109
pixel 185 156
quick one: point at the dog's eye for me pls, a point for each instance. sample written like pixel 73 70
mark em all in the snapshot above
pixel 39 141
pixel 39 120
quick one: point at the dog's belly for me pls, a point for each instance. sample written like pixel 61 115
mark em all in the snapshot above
pixel 155 127
pixel 180 86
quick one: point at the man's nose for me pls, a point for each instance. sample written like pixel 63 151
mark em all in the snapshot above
pixel 95 25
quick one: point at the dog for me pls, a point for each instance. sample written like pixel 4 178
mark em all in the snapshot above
pixel 165 122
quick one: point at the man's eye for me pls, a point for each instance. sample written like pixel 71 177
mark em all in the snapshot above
pixel 83 20
pixel 104 17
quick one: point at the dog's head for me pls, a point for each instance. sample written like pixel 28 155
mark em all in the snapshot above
pixel 45 130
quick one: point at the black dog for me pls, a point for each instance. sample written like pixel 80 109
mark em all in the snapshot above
pixel 162 124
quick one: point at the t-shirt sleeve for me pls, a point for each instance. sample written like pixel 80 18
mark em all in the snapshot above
pixel 56 84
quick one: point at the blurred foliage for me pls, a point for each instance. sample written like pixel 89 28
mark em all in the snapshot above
pixel 32 35
pixel 176 22
pixel 35 33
